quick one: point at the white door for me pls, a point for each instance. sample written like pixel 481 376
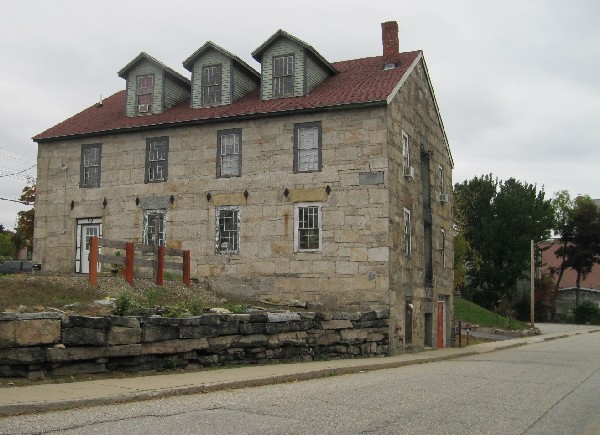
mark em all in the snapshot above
pixel 87 232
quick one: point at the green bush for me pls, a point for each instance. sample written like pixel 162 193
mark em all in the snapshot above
pixel 587 312
pixel 125 304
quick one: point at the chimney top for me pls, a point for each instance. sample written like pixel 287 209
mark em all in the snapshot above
pixel 391 43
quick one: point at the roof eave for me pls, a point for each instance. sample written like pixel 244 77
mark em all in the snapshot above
pixel 255 115
pixel 437 109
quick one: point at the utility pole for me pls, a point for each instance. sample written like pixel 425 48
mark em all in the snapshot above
pixel 532 303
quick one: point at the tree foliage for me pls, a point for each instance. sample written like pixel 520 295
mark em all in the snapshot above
pixel 498 219
pixel 578 224
pixel 24 230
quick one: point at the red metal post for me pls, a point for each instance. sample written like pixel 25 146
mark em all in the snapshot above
pixel 160 266
pixel 186 268
pixel 93 259
pixel 129 253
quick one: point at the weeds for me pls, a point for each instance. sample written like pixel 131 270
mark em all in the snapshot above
pixel 124 304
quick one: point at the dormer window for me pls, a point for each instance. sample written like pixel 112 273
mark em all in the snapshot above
pixel 211 85
pixel 283 76
pixel 145 93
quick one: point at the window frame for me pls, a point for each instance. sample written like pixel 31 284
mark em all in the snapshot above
pixel 237 231
pixel 83 166
pixel 154 165
pixel 220 155
pixel 407 232
pixel 441 178
pixel 285 78
pixel 297 236
pixel 308 125
pixel 217 87
pixel 443 246
pixel 145 233
pixel 149 95
pixel 405 150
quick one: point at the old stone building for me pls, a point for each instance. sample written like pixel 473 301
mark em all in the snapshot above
pixel 312 181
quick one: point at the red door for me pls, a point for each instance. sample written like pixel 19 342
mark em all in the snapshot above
pixel 440 324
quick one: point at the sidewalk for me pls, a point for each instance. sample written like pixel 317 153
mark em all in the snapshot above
pixel 53 397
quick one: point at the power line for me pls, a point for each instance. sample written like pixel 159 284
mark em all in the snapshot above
pixel 15 200
pixel 30 159
pixel 19 172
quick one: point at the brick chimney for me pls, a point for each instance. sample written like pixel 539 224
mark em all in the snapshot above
pixel 391 44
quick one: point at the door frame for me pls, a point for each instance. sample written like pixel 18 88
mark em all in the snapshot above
pixel 441 322
pixel 81 223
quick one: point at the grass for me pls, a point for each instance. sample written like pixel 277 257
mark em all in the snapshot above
pixel 473 313
pixel 57 291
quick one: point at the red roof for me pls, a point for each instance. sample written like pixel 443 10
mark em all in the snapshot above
pixel 569 278
pixel 358 81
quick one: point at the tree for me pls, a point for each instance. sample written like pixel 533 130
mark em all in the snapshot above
pixel 24 231
pixel 498 220
pixel 578 224
pixel 7 248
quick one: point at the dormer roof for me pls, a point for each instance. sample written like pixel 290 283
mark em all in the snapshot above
pixel 146 57
pixel 257 54
pixel 189 62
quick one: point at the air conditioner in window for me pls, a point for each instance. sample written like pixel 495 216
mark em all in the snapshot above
pixel 142 108
pixel 444 198
pixel 409 172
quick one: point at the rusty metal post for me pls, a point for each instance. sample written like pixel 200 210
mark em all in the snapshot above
pixel 129 253
pixel 93 259
pixel 186 268
pixel 160 266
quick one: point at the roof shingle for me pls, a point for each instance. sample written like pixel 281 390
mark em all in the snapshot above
pixel 358 81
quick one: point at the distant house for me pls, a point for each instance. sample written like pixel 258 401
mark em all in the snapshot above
pixel 590 286
pixel 311 181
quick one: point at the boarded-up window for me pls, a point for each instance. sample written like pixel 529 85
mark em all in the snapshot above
pixel 283 75
pixel 154 228
pixel 144 92
pixel 211 85
pixel 307 147
pixel 90 165
pixel 229 153
pixel 228 230
pixel 157 154
pixel 407 232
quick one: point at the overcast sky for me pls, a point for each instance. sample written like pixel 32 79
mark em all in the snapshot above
pixel 517 82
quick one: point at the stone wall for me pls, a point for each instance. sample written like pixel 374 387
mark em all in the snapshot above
pixel 36 345
pixel 349 272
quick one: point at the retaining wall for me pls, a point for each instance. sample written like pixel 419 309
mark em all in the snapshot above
pixel 39 344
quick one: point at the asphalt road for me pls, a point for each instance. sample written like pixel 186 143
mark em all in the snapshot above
pixel 551 387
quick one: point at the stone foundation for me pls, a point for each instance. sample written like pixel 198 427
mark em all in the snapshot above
pixel 36 345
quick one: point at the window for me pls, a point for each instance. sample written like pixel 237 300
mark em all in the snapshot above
pixel 441 178
pixel 211 85
pixel 229 153
pixel 443 246
pixel 90 165
pixel 157 153
pixel 307 147
pixel 228 230
pixel 407 232
pixel 154 228
pixel 283 75
pixel 145 94
pixel 405 151
pixel 307 234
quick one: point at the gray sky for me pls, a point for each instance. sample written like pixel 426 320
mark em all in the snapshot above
pixel 516 80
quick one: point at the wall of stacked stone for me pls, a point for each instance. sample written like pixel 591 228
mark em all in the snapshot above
pixel 39 344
